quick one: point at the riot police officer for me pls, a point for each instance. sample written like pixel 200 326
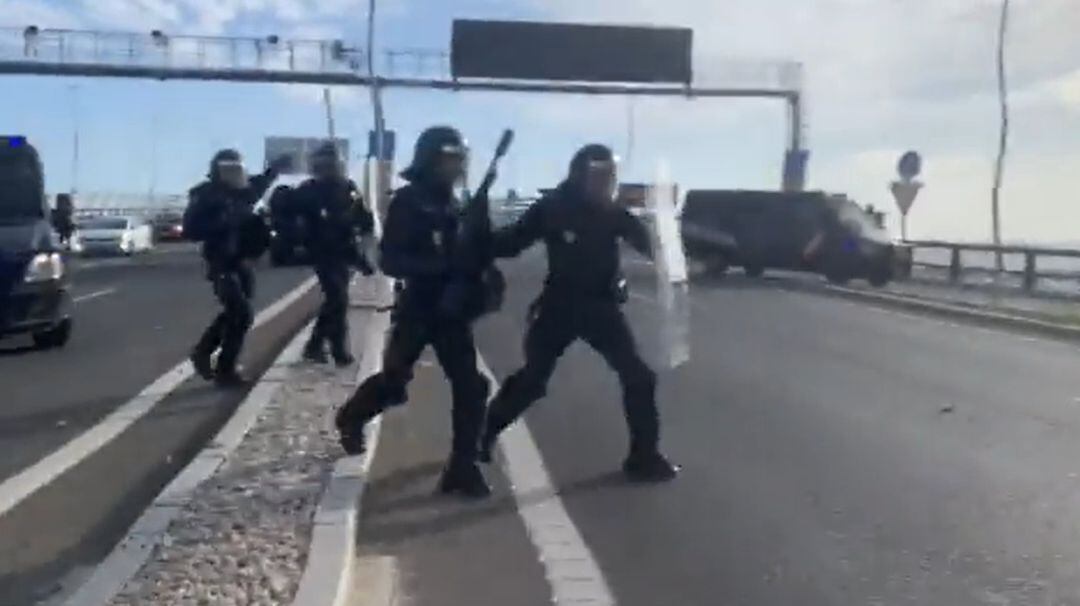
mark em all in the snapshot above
pixel 581 299
pixel 220 214
pixel 418 246
pixel 335 215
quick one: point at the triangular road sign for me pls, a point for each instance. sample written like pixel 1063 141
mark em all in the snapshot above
pixel 904 192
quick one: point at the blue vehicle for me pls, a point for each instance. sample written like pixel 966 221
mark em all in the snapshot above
pixel 35 295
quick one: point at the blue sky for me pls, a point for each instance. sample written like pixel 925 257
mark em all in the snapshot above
pixel 881 77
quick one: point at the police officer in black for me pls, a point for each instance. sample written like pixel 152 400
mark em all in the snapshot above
pixel 220 214
pixel 335 215
pixel 581 299
pixel 418 248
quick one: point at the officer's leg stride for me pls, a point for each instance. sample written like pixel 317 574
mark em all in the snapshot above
pixel 234 289
pixel 314 349
pixel 208 343
pixel 385 388
pixel 548 336
pixel 336 304
pixel 456 352
pixel 607 331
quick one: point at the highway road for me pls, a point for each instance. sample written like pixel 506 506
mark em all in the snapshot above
pixel 834 453
pixel 135 319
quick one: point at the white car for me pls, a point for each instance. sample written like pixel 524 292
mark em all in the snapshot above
pixel 113 235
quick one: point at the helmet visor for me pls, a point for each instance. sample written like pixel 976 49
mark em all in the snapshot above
pixel 232 173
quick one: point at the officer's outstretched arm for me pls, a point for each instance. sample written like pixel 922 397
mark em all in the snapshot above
pixel 399 258
pixel 259 184
pixel 362 218
pixel 635 233
pixel 512 240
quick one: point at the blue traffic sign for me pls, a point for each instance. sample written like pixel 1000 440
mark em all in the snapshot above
pixel 910 165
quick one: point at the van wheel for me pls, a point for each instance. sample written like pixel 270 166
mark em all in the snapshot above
pixel 879 279
pixel 716 266
pixel 838 279
pixel 754 271
pixel 54 337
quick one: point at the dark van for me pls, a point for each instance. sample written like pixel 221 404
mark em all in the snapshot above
pixel 34 287
pixel 804 231
pixel 288 229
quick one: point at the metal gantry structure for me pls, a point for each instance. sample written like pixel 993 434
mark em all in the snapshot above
pixel 158 55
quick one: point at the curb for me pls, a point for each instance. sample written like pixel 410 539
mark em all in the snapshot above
pixel 132 552
pixel 328 576
pixel 985 318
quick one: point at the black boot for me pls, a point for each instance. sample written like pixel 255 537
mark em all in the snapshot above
pixel 507 405
pixel 314 353
pixel 464 478
pixel 203 366
pixel 352 440
pixel 649 467
pixel 231 378
pixel 364 405
pixel 343 358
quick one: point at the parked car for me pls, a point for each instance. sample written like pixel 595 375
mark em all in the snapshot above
pixel 113 235
pixel 168 227
pixel 35 294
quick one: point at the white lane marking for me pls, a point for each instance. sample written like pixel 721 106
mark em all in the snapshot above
pixel 328 578
pixel 132 552
pixel 571 569
pixel 28 481
pixel 93 295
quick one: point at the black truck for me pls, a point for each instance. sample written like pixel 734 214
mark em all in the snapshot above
pixel 804 231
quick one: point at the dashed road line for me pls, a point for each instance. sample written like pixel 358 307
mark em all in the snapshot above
pixel 94 295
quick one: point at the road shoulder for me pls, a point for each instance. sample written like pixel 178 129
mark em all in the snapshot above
pixel 437 550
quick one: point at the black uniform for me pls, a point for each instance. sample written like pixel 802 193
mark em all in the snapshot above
pixel 335 215
pixel 581 299
pixel 223 219
pixel 418 245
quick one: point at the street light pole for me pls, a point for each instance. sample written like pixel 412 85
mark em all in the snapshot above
pixel 1003 140
pixel 75 138
pixel 381 176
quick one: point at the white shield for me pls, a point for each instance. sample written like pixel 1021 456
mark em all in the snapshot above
pixel 672 284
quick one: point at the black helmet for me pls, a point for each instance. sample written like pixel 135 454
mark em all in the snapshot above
pixel 225 155
pixel 590 154
pixel 431 143
pixel 326 152
pixel 326 156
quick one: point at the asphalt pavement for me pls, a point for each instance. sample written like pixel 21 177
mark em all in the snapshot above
pixel 833 452
pixel 135 319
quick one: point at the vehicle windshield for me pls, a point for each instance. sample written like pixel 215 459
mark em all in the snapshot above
pixel 104 223
pixel 20 192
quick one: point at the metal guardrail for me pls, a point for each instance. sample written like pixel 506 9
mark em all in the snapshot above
pixel 142 211
pixel 1029 270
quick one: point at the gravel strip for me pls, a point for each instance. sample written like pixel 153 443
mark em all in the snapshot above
pixel 243 538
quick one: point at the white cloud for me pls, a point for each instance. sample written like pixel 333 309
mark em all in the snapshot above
pixel 885 75
pixel 19 13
